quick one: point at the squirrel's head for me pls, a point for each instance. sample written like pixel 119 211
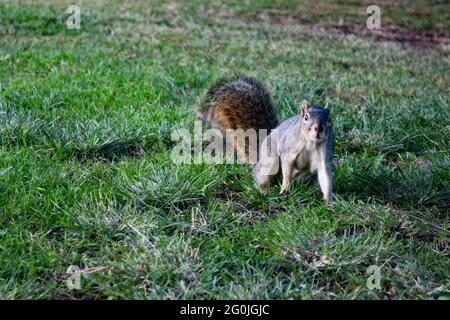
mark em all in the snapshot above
pixel 316 121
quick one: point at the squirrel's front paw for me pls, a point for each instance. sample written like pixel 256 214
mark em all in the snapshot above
pixel 284 188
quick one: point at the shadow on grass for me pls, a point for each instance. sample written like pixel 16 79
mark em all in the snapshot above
pixel 113 151
pixel 414 187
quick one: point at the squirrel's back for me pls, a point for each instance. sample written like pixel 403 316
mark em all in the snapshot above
pixel 239 103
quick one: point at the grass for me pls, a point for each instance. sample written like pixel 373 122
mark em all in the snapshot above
pixel 86 177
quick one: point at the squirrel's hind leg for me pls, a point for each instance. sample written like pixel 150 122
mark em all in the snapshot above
pixel 264 171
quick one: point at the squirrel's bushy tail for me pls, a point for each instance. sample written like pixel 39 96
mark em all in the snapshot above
pixel 239 102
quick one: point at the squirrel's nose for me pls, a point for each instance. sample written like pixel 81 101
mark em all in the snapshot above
pixel 318 128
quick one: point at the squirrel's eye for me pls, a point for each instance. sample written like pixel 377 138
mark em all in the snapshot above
pixel 306 118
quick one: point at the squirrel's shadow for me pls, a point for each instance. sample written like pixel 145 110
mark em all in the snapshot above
pixel 394 187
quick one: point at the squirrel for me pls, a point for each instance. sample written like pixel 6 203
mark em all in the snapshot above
pixel 301 144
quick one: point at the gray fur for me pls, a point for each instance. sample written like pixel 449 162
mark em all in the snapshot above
pixel 296 147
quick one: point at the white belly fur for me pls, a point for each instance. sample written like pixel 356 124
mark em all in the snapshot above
pixel 307 161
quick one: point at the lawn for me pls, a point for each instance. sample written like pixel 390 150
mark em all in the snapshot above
pixel 87 180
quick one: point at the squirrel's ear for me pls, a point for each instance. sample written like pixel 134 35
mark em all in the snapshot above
pixel 304 108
